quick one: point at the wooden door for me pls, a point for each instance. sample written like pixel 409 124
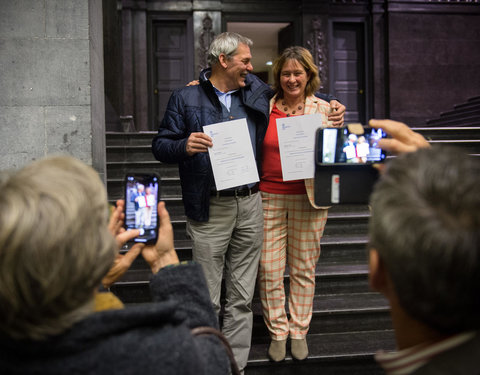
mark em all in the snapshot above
pixel 171 63
pixel 347 68
pixel 286 38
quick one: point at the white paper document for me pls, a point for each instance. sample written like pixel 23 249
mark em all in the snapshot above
pixel 232 158
pixel 296 139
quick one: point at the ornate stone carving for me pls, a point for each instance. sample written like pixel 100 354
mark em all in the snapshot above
pixel 317 46
pixel 206 37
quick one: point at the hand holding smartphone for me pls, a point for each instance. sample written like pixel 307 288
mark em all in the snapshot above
pixel 344 159
pixel 141 198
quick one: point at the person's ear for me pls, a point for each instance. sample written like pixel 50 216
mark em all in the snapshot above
pixel 223 60
pixel 377 276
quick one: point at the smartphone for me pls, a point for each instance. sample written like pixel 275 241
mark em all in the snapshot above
pixel 142 192
pixel 349 145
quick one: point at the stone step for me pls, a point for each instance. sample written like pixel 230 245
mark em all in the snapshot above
pixel 349 312
pixel 336 250
pixel 472 146
pixel 337 312
pixel 129 138
pixel 473 120
pixel 330 279
pixel 470 103
pixel 329 353
pixel 471 108
pixel 458 117
pixel 341 221
pixel 169 187
pixel 452 133
pixel 118 170
pixel 174 205
pixel 129 153
pixel 334 227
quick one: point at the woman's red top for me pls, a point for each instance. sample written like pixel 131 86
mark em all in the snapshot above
pixel 271 180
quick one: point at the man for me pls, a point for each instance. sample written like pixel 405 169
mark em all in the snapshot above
pixel 349 148
pixel 226 226
pixel 138 198
pixel 425 255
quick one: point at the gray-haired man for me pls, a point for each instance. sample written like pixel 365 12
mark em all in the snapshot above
pixel 226 226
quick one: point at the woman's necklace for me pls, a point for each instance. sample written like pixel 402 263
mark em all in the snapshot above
pixel 297 107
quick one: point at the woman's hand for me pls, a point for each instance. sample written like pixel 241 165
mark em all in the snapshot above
pixel 163 253
pixel 122 262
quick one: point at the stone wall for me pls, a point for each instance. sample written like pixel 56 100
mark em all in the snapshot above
pixel 51 79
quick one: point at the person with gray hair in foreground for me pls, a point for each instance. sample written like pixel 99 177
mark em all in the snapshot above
pixel 425 255
pixel 57 246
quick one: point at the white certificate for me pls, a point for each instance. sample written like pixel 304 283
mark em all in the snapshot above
pixel 232 158
pixel 296 139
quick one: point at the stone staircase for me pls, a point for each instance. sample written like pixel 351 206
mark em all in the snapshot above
pixel 349 321
pixel 464 114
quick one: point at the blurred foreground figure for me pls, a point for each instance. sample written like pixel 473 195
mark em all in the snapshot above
pixel 425 255
pixel 56 247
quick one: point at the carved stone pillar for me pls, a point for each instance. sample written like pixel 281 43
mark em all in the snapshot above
pixel 317 45
pixel 206 26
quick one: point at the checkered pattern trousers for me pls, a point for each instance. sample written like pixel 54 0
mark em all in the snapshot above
pixel 292 233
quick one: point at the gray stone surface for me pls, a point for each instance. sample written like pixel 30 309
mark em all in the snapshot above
pixel 97 90
pixel 68 131
pixel 44 72
pixel 22 135
pixel 67 19
pixel 22 19
pixel 50 62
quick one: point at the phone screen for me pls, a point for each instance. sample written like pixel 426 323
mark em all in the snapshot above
pixel 339 145
pixel 141 198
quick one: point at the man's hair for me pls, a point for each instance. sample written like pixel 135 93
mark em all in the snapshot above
pixel 425 226
pixel 55 246
pixel 305 59
pixel 226 43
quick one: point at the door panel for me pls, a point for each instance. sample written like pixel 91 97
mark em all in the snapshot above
pixel 348 81
pixel 172 63
pixel 286 38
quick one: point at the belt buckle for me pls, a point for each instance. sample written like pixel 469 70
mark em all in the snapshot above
pixel 239 192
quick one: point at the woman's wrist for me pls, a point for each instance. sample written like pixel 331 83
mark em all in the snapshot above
pixel 168 258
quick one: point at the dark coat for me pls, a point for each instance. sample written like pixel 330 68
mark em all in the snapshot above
pixel 189 109
pixel 149 339
pixel 463 359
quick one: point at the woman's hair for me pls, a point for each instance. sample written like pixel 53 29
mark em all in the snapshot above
pixel 55 246
pixel 226 43
pixel 304 58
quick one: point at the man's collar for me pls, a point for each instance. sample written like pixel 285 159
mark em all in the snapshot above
pixel 224 93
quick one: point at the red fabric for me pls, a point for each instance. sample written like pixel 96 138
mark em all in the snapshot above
pixel 271 180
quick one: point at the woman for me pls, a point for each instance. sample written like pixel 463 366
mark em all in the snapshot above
pixel 55 249
pixel 293 224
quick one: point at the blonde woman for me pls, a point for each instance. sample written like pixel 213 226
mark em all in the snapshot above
pixel 293 224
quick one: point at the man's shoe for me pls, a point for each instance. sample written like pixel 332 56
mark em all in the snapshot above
pixel 299 349
pixel 277 350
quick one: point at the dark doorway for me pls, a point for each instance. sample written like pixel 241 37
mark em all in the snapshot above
pixel 348 68
pixel 266 37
